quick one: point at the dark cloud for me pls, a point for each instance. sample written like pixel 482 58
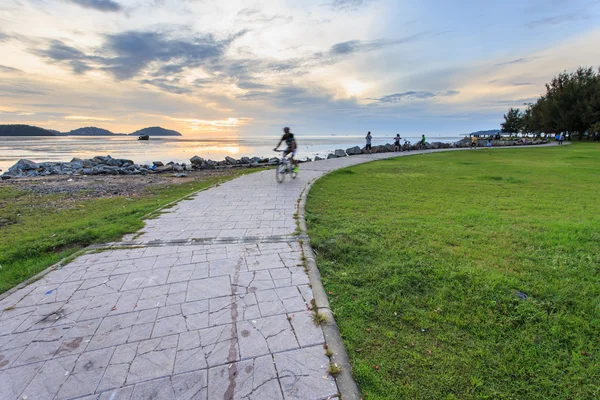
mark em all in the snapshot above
pixel 414 95
pixel 128 54
pixel 4 68
pixel 99 5
pixel 517 61
pixel 554 20
pixel 252 85
pixel 354 46
pixel 522 84
pixel 4 37
pixel 171 86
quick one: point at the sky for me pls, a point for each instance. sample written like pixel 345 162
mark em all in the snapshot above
pixel 246 67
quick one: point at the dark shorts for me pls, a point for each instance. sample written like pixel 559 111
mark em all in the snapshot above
pixel 368 147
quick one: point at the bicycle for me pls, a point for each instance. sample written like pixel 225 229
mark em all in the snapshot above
pixel 284 166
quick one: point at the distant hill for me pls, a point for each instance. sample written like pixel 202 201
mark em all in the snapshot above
pixel 90 131
pixel 155 131
pixel 24 130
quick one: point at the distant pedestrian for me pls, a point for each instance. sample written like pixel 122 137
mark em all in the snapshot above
pixel 397 140
pixel 489 141
pixel 368 145
pixel 423 140
pixel 561 138
pixel 473 141
pixel 557 137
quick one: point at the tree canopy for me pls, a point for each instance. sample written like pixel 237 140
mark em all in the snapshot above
pixel 571 104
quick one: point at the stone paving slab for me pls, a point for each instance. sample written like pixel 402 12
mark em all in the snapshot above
pixel 211 303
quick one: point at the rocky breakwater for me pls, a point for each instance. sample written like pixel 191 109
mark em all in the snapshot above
pixel 106 165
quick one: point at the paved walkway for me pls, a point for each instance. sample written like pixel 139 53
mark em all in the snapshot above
pixel 211 302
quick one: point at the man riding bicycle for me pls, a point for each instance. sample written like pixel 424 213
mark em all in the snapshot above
pixel 290 141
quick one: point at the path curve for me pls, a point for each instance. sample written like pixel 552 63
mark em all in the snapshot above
pixel 209 302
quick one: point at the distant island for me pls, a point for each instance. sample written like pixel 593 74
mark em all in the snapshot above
pixel 29 130
pixel 484 133
pixel 155 131
pixel 24 130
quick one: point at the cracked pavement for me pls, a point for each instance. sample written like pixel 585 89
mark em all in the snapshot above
pixel 210 302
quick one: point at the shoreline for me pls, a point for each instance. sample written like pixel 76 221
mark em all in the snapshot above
pixel 107 165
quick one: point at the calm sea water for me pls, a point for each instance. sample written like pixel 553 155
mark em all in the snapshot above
pixel 165 149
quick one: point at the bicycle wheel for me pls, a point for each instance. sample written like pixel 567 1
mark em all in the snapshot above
pixel 280 172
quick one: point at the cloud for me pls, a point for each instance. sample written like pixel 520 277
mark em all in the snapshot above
pixel 86 118
pixel 522 84
pixel 554 20
pixel 167 85
pixel 517 61
pixel 344 5
pixel 354 46
pixel 5 69
pixel 128 54
pixel 256 16
pixel 99 5
pixel 413 95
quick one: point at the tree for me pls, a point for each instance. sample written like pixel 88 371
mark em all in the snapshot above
pixel 513 121
pixel 571 104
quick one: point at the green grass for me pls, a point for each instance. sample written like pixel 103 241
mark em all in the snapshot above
pixel 427 258
pixel 38 231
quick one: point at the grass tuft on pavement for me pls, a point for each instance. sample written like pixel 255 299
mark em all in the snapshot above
pixel 466 275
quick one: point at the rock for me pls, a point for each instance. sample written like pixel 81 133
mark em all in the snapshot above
pixel 178 168
pixel 339 153
pixel 112 162
pixel 331 155
pixel 317 158
pixel 23 165
pixel 189 167
pixel 157 163
pixel 197 160
pixel 230 160
pixel 164 168
pixel 353 151
pixel 264 160
pixel 125 162
pixel 76 160
pixel 255 160
pixel 179 175
pixel 245 160
pixel 274 161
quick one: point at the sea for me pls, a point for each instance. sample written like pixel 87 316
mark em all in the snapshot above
pixel 176 149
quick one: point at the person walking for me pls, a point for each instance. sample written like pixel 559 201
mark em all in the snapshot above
pixel 561 138
pixel 397 143
pixel 474 141
pixel 368 145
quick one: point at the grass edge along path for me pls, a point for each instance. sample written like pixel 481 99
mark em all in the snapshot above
pixel 43 230
pixel 465 274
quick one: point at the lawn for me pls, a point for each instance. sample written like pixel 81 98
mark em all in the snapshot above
pixel 466 275
pixel 37 231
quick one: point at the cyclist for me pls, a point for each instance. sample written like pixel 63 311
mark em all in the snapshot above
pixel 290 141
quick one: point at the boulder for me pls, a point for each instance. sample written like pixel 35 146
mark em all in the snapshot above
pixel 331 155
pixel 125 162
pixel 353 151
pixel 112 162
pixel 23 165
pixel 157 163
pixel 317 158
pixel 245 160
pixel 339 153
pixel 231 160
pixel 274 161
pixel 164 168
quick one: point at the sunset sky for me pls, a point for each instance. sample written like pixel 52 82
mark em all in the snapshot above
pixel 237 67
